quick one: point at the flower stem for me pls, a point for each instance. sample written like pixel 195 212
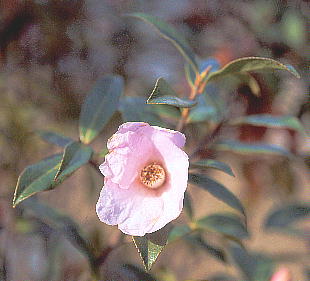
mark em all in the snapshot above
pixel 196 89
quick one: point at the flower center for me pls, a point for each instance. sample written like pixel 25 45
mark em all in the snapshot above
pixel 153 176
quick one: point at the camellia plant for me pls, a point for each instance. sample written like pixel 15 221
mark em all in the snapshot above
pixel 147 174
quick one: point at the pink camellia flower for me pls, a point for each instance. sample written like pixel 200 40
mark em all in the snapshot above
pixel 282 274
pixel 146 174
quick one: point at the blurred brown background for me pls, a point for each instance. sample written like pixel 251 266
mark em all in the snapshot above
pixel 52 52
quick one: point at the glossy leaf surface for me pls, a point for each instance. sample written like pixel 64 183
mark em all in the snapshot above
pixel 214 251
pixel 211 163
pixel 255 267
pixel 225 223
pixel 251 64
pixel 188 205
pixel 284 216
pixel 178 231
pixel 150 245
pixel 75 155
pixel 99 107
pixel 51 171
pixel 217 190
pixel 251 148
pixel 54 138
pixel 37 177
pixel 164 94
pixel 267 120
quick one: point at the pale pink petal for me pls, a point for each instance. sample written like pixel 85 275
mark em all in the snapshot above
pixel 124 200
pixel 176 164
pixel 176 137
pixel 282 274
pixel 123 164
pixel 132 126
pixel 135 210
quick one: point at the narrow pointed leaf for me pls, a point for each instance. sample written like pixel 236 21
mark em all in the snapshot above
pixel 286 215
pixel 217 190
pixel 267 120
pixel 211 63
pixel 255 267
pixel 168 32
pixel 54 138
pixel 128 108
pixel 164 94
pixel 178 231
pixel 188 205
pixel 251 64
pixel 75 155
pixel 251 148
pixel 212 250
pixel 205 111
pixel 250 81
pixel 211 163
pixel 150 245
pixel 99 107
pixel 37 177
pixel 225 223
pixel 42 175
pixel 190 74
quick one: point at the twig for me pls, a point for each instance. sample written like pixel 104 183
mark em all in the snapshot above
pixel 207 140
pixel 197 89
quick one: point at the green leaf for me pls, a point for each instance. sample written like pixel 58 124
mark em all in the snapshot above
pixel 250 81
pixel 99 107
pixel 255 267
pixel 205 110
pixel 188 205
pixel 168 32
pixel 150 245
pixel 251 148
pixel 37 177
pixel 250 64
pixel 178 231
pixel 267 120
pixel 190 74
pixel 199 241
pixel 54 138
pixel 75 155
pixel 284 216
pixel 211 163
pixel 225 223
pixel 164 94
pixel 128 108
pixel 50 172
pixel 62 224
pixel 217 190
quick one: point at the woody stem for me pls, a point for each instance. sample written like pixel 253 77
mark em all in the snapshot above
pixel 196 89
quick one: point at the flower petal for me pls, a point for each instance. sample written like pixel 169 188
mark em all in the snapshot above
pixel 176 137
pixel 124 200
pixel 176 164
pixel 135 209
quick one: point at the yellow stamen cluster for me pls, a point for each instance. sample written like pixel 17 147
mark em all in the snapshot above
pixel 153 176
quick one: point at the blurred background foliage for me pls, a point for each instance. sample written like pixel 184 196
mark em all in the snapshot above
pixel 53 51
